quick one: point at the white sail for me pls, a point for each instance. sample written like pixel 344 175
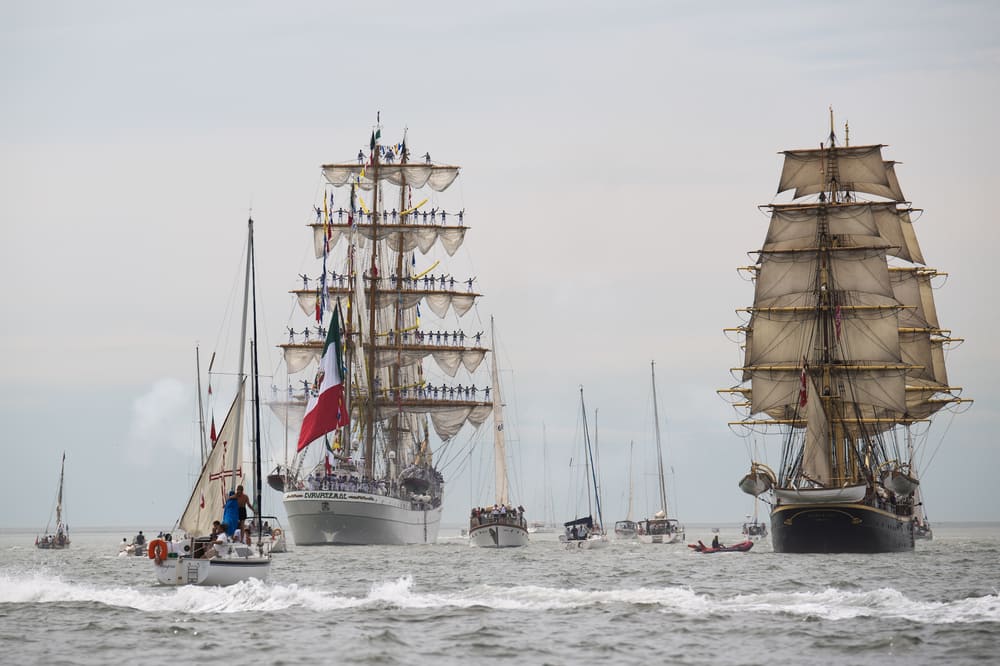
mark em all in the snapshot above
pixel 856 168
pixel 217 474
pixel 414 236
pixel 437 177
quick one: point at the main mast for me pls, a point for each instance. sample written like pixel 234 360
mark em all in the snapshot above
pixel 659 447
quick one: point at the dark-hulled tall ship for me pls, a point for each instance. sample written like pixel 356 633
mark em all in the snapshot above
pixel 843 355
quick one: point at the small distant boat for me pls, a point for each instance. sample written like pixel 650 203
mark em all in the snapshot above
pixel 503 526
pixel 754 529
pixel 628 529
pixel 274 538
pixel 583 533
pixel 540 527
pixel 60 539
pixel 660 528
pixel 740 547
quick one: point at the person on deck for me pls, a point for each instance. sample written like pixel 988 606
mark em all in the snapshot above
pixel 715 542
pixel 231 514
pixel 243 501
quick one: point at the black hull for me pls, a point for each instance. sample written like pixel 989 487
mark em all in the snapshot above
pixel 839 528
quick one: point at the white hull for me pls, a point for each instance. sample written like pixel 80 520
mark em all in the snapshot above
pixel 590 543
pixel 217 571
pixel 849 494
pixel 498 535
pixel 324 518
pixel 676 537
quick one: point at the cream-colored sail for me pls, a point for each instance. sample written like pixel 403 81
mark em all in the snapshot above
pixel 217 474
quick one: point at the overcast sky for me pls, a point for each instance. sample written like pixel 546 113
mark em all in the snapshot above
pixel 613 154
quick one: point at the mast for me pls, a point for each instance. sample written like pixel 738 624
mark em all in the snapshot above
pixel 499 443
pixel 659 447
pixel 256 398
pixel 201 410
pixel 374 279
pixel 592 470
pixel 59 497
pixel 628 514
pixel 238 412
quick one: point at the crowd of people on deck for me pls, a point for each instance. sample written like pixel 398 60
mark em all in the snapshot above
pixel 498 513
pixel 347 483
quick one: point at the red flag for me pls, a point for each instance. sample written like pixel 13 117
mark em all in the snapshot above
pixel 213 435
pixel 803 393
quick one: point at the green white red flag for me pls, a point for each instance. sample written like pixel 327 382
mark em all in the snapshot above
pixel 326 410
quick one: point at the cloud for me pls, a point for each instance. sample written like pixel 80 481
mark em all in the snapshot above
pixel 161 420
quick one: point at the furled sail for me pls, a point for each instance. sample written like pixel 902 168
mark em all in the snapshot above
pixel 437 177
pixel 400 238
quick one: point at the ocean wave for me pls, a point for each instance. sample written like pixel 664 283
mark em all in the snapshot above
pixel 256 596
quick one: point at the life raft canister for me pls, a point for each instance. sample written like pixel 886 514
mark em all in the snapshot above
pixel 158 549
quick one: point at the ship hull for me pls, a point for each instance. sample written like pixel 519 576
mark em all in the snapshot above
pixel 838 528
pixel 331 518
pixel 498 535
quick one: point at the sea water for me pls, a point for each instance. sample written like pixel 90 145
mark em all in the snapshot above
pixel 447 603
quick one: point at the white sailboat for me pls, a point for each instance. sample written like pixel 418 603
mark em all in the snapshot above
pixel 584 533
pixel 548 523
pixel 502 525
pixel 628 529
pixel 60 539
pixel 200 559
pixel 375 481
pixel 660 528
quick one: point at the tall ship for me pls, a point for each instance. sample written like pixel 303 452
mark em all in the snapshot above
pixel 844 358
pixel 384 314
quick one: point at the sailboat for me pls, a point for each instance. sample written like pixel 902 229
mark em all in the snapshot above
pixel 548 523
pixel 843 353
pixel 754 529
pixel 661 528
pixel 60 539
pixel 501 526
pixel 374 481
pixel 200 559
pixel 583 533
pixel 628 528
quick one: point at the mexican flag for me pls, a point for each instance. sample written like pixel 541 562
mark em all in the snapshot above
pixel 326 411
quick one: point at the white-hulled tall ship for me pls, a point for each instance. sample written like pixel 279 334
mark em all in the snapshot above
pixel 843 354
pixel 381 245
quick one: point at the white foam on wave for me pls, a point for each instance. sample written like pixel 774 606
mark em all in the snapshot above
pixel 255 596
pixel 834 604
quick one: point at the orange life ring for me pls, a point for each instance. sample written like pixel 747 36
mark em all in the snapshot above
pixel 276 532
pixel 158 550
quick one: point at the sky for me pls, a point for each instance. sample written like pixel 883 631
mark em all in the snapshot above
pixel 613 158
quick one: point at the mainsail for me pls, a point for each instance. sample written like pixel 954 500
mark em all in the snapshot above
pixel 216 479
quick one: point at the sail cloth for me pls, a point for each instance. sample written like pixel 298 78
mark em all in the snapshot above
pixel 416 175
pixel 401 238
pixel 209 495
pixel 326 411
pixel 857 168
